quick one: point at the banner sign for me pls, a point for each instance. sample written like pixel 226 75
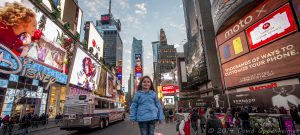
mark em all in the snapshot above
pixel 263 9
pixel 234 48
pixel 12 64
pixel 277 59
pixel 276 25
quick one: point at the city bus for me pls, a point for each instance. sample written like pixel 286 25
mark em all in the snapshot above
pixel 90 111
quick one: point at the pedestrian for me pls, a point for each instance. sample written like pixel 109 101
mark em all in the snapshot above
pixel 228 120
pixel 244 117
pixel 166 113
pixel 213 124
pixel 194 120
pixel 171 115
pixel 5 123
pixel 184 126
pixel 146 108
pixel 202 119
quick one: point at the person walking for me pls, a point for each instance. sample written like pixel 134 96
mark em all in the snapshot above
pixel 213 124
pixel 194 120
pixel 184 126
pixel 202 119
pixel 146 108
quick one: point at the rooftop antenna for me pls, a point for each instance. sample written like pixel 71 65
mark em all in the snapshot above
pixel 109 10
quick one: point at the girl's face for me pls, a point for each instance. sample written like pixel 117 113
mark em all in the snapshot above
pixel 30 27
pixel 146 84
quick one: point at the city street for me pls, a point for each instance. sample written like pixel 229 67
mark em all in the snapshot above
pixel 118 128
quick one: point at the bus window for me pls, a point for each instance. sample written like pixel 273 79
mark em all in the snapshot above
pixel 112 105
pixel 98 104
pixel 104 105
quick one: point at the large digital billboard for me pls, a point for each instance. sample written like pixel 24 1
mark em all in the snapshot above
pixel 195 60
pixel 110 84
pixel 276 25
pixel 35 37
pixel 278 59
pixel 85 71
pixel 234 47
pixel 95 41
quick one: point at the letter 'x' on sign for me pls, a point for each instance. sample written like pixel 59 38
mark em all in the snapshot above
pixel 261 10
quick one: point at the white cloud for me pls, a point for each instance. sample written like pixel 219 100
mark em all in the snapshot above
pixel 141 9
pixel 176 45
pixel 180 6
pixel 123 3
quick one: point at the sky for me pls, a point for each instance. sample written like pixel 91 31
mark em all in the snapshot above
pixel 143 20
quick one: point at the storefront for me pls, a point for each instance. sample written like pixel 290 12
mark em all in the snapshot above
pixel 33 63
pixel 57 97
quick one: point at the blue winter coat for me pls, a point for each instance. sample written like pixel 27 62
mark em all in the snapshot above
pixel 146 107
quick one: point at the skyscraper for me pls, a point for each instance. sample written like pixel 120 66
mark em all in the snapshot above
pixel 137 60
pixel 165 56
pixel 109 27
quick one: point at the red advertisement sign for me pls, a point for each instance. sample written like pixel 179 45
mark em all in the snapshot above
pixel 138 69
pixel 276 25
pixel 168 89
pixel 119 69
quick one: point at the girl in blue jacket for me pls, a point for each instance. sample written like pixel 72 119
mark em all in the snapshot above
pixel 146 108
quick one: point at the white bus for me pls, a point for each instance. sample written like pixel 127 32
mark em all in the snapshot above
pixel 90 111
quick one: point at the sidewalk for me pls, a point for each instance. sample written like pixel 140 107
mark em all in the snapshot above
pixel 16 129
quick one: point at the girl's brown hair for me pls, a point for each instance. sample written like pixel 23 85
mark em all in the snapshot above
pixel 140 84
pixel 13 14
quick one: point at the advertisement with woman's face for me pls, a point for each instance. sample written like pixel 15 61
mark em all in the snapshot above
pixel 30 33
pixel 85 71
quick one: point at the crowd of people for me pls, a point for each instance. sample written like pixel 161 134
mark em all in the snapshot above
pixel 7 123
pixel 220 120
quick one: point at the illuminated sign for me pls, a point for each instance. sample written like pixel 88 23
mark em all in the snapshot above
pixel 168 89
pixel 278 59
pixel 85 71
pixel 276 25
pixel 9 61
pixel 138 69
pixel 95 41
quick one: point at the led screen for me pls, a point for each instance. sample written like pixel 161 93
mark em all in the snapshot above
pixel 85 71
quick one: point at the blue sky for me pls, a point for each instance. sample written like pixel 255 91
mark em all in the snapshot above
pixel 141 19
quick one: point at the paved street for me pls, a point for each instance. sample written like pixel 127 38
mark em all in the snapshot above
pixel 118 128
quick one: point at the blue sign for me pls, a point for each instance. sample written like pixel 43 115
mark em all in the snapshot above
pixel 138 75
pixel 119 76
pixel 8 61
pixel 3 83
pixel 14 78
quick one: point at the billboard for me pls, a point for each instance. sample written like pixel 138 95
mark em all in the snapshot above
pixel 168 89
pixel 283 96
pixel 260 11
pixel 38 39
pixel 105 19
pixel 95 41
pixel 110 84
pixel 233 48
pixel 102 82
pixel 276 25
pixel 278 59
pixel 138 60
pixel 67 11
pixel 85 71
pixel 183 72
pixel 195 60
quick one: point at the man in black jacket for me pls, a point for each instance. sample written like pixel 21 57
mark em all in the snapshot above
pixel 213 124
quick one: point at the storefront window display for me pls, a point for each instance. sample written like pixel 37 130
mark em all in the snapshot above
pixel 56 100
